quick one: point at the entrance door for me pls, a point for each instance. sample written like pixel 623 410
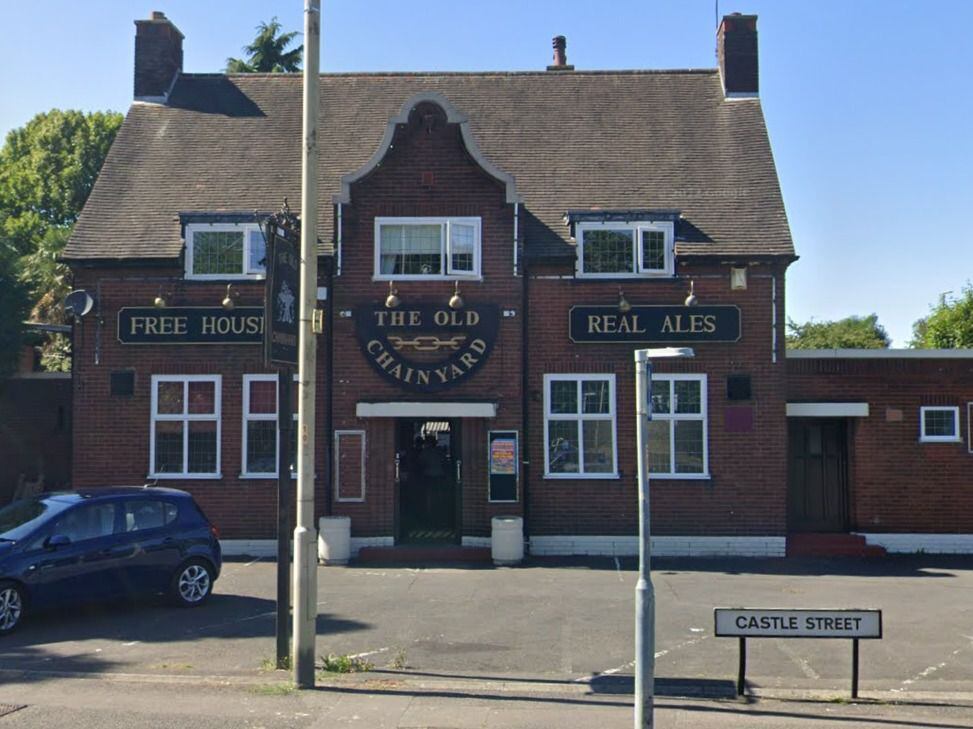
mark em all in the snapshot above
pixel 817 498
pixel 429 467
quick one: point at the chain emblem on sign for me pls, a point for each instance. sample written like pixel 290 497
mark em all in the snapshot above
pixel 427 343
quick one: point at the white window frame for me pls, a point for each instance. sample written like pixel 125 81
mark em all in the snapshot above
pixel 245 228
pixel 637 228
pixel 674 416
pixel 579 417
pixel 185 419
pixel 955 438
pixel 247 416
pixel 444 251
pixel 337 461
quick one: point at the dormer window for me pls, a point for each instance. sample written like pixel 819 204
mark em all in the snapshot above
pixel 427 248
pixel 620 249
pixel 220 251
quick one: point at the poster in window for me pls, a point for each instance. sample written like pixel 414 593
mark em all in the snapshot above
pixel 502 465
pixel 503 457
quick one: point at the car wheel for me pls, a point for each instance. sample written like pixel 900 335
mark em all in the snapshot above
pixel 11 606
pixel 192 583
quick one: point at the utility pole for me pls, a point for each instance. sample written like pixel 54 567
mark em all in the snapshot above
pixel 644 594
pixel 305 535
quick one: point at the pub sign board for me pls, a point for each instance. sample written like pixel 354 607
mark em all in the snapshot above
pixel 654 324
pixel 427 347
pixel 190 325
pixel 281 297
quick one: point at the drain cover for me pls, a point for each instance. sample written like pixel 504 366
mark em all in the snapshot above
pixel 9 708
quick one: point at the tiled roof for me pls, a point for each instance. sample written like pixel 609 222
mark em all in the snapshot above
pixel 653 140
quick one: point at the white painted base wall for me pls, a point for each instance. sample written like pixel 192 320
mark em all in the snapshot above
pixel 661 546
pixel 477 542
pixel 927 543
pixel 268 547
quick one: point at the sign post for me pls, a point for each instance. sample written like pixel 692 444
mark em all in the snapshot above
pixel 644 595
pixel 280 349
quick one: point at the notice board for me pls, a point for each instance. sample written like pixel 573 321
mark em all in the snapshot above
pixel 503 459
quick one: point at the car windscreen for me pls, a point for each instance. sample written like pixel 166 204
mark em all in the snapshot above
pixel 21 518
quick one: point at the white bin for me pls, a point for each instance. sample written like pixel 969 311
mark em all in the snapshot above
pixel 507 542
pixel 334 539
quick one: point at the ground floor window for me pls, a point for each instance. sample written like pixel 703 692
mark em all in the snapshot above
pixel 185 430
pixel 677 432
pixel 939 424
pixel 579 426
pixel 260 434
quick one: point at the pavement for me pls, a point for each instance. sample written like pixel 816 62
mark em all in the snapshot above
pixel 543 645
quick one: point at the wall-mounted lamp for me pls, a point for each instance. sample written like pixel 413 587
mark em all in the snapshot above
pixel 691 300
pixel 623 305
pixel 159 301
pixel 392 300
pixel 229 301
pixel 456 301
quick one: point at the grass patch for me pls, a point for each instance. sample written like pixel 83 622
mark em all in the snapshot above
pixel 345 664
pixel 399 659
pixel 274 689
pixel 270 664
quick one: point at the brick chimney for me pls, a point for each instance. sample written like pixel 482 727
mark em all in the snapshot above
pixel 736 49
pixel 158 57
pixel 560 62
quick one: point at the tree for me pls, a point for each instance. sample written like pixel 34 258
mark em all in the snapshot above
pixel 47 170
pixel 853 332
pixel 13 310
pixel 949 324
pixel 267 53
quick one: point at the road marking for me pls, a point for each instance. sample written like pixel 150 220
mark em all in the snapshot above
pixel 802 663
pixel 630 664
pixel 131 642
pixel 368 653
pixel 618 570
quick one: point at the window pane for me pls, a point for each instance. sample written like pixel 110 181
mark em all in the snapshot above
pixel 411 249
pixel 598 456
pixel 594 397
pixel 659 457
pixel 564 396
pixel 462 246
pixel 262 446
pixel 941 423
pixel 563 446
pixel 263 397
pixel 660 396
pixel 168 447
pixel 607 251
pixel 257 252
pixel 688 396
pixel 142 515
pixel 218 252
pixel 202 398
pixel 653 250
pixel 202 447
pixel 87 522
pixel 169 401
pixel 689 446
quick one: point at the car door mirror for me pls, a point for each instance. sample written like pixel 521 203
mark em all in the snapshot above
pixel 56 541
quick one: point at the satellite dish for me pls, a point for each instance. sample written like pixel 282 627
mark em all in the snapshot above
pixel 78 303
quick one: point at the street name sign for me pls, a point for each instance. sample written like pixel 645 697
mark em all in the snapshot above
pixel 759 623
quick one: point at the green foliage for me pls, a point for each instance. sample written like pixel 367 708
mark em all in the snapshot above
pixel 345 664
pixel 853 332
pixel 267 53
pixel 13 311
pixel 949 324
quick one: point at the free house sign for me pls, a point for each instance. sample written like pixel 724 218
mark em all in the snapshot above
pixel 429 347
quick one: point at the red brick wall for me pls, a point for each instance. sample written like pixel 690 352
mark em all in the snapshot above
pixel 746 493
pixel 898 484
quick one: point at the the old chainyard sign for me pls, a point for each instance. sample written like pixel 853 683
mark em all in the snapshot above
pixel 282 289
pixel 654 324
pixel 427 347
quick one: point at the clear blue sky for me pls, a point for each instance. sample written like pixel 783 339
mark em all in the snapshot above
pixel 869 103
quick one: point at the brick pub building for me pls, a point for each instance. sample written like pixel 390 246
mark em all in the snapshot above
pixel 493 247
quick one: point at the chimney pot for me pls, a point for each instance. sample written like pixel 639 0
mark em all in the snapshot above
pixel 158 56
pixel 736 51
pixel 560 63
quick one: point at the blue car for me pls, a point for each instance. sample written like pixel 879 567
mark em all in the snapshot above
pixel 66 547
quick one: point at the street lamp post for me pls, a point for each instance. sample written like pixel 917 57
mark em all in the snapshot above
pixel 644 595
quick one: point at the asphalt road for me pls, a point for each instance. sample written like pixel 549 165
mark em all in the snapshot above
pixel 547 624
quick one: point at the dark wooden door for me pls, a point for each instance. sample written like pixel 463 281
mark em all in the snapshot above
pixel 817 499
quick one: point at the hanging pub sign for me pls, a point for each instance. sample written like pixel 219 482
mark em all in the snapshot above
pixel 190 325
pixel 427 347
pixel 652 324
pixel 282 290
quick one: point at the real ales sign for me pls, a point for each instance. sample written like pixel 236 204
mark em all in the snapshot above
pixel 654 324
pixel 190 325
